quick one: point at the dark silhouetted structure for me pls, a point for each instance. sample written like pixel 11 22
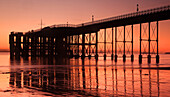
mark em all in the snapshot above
pixel 83 40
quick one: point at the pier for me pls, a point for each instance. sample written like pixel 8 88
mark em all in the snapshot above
pixel 93 39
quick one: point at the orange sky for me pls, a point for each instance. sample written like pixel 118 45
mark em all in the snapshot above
pixel 24 15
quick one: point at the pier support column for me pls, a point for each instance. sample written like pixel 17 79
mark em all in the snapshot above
pixel 25 47
pixel 132 56
pixel 69 50
pixel 41 46
pixel 76 45
pixel 18 45
pixel 71 44
pixel 56 53
pixel 49 46
pixel 124 42
pixel 37 51
pixel 83 46
pixel 105 44
pixel 89 46
pixel 157 55
pixel 112 55
pixel 52 47
pixel 66 46
pixel 44 46
pixel 96 56
pixel 115 44
pixel 140 55
pixel 149 44
pixel 33 47
pixel 11 41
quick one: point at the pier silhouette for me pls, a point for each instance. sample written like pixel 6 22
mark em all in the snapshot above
pixel 86 40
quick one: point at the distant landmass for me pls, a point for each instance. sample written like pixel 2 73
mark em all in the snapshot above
pixel 167 52
pixel 4 50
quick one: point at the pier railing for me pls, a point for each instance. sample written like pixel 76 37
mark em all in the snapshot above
pixel 140 13
pixel 145 12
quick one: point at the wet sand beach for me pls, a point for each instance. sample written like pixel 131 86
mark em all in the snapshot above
pixel 76 77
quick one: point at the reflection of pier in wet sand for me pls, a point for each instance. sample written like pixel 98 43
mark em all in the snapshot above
pixel 86 77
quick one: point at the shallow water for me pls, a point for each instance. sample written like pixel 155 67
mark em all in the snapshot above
pixel 76 77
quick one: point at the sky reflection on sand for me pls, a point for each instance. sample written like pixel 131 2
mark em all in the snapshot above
pixel 78 78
